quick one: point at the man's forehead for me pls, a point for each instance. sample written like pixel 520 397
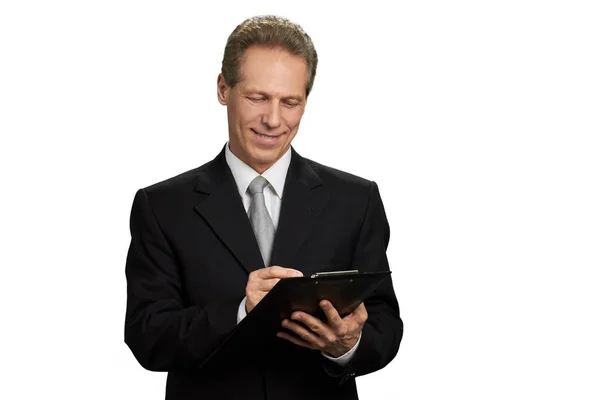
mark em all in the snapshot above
pixel 275 76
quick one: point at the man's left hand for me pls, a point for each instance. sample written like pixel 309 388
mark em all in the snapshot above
pixel 335 337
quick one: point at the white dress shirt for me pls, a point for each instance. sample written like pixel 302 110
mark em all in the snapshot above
pixel 243 174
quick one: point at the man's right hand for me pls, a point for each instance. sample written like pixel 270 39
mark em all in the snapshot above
pixel 261 281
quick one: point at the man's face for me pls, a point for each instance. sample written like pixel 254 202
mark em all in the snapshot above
pixel 265 108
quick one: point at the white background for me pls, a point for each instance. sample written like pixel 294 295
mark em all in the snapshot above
pixel 479 120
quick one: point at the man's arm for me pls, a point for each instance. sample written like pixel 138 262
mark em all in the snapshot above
pixel 382 332
pixel 374 328
pixel 162 333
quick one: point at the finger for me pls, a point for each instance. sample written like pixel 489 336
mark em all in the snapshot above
pixel 331 313
pixel 266 273
pixel 278 272
pixel 304 334
pixel 266 285
pixel 295 340
pixel 315 325
pixel 293 273
pixel 261 285
pixel 361 313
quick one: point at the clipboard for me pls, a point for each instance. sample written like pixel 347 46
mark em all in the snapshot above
pixel 344 289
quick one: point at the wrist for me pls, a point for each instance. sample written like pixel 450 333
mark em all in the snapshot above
pixel 345 348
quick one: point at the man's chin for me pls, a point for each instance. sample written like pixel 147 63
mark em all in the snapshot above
pixel 263 160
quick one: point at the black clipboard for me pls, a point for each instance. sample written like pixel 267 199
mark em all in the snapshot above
pixel 344 289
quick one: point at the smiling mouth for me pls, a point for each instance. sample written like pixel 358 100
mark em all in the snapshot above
pixel 265 136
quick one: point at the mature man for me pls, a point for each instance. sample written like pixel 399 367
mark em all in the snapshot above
pixel 209 244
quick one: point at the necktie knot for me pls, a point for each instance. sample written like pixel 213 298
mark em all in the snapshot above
pixel 257 185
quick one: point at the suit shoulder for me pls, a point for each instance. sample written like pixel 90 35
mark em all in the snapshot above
pixel 336 177
pixel 173 182
pixel 171 193
pixel 182 181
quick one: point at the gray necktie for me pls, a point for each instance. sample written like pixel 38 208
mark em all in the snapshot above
pixel 264 230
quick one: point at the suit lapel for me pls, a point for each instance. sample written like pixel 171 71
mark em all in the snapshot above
pixel 304 197
pixel 224 211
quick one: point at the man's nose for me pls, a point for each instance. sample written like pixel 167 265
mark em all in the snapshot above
pixel 272 116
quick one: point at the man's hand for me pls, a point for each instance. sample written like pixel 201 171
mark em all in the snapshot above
pixel 261 281
pixel 335 337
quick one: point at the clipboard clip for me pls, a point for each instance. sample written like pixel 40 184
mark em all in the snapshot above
pixel 333 273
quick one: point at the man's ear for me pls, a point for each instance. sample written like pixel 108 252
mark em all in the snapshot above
pixel 222 90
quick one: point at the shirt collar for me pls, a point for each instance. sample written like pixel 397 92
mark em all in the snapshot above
pixel 243 174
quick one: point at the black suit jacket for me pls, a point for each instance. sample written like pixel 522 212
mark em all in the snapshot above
pixel 192 249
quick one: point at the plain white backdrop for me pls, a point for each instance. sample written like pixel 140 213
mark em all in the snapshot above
pixel 479 121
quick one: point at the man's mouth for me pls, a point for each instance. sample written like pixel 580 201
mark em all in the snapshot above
pixel 265 136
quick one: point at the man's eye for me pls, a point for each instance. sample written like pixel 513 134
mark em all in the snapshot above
pixel 256 99
pixel 290 104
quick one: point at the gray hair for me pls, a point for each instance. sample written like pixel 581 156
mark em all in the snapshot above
pixel 270 31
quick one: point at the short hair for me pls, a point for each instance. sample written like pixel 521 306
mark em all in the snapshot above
pixel 270 31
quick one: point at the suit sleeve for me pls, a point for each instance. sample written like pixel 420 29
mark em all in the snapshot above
pixel 162 333
pixel 382 333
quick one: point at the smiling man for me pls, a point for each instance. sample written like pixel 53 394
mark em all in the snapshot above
pixel 265 106
pixel 209 244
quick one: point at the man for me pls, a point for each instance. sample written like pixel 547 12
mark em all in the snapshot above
pixel 209 244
